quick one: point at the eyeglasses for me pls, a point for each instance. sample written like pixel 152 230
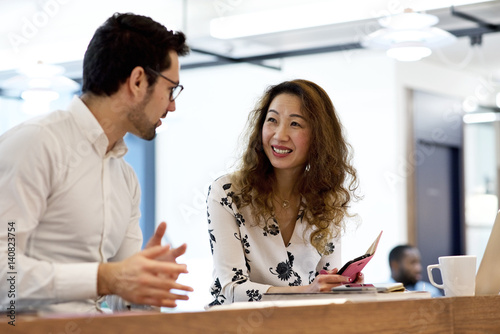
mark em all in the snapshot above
pixel 175 91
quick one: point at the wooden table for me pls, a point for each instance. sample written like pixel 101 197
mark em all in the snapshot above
pixel 437 315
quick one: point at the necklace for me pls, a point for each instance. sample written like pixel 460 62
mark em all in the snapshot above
pixel 285 204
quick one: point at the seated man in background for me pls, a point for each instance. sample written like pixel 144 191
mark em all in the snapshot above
pixel 406 268
pixel 69 203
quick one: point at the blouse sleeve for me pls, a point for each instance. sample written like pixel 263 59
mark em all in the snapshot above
pixel 333 258
pixel 231 274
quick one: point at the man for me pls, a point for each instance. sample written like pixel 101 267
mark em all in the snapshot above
pixel 69 204
pixel 406 268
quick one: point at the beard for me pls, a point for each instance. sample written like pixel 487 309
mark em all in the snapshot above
pixel 408 279
pixel 137 116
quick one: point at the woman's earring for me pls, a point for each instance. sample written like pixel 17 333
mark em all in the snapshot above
pixel 308 167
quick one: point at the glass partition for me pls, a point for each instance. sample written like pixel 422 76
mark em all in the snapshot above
pixel 481 181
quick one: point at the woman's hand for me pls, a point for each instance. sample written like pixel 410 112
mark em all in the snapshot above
pixel 326 280
pixel 360 278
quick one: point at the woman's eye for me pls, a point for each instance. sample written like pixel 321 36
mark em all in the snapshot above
pixel 296 124
pixel 271 119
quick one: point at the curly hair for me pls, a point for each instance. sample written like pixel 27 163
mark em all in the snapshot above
pixel 329 181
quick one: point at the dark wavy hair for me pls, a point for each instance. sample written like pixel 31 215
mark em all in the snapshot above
pixel 329 181
pixel 123 42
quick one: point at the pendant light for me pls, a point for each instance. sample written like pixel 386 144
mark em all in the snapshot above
pixel 408 36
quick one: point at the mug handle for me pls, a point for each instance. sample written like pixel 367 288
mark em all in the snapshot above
pixel 431 278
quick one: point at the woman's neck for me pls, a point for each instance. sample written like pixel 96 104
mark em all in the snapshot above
pixel 286 185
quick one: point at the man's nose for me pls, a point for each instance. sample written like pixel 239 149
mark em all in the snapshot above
pixel 171 106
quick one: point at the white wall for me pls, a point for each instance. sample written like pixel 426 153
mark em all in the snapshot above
pixel 200 143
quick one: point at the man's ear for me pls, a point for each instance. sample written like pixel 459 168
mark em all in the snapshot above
pixel 394 265
pixel 138 82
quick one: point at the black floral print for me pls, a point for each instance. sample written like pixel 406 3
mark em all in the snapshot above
pixel 227 201
pixel 216 293
pixel 244 242
pixel 212 240
pixel 239 219
pixel 272 228
pixel 239 277
pixel 209 191
pixel 254 295
pixel 312 276
pixel 298 280
pixel 284 270
pixel 208 213
pixel 246 245
pixel 329 248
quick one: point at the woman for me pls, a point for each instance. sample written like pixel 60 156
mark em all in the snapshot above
pixel 275 224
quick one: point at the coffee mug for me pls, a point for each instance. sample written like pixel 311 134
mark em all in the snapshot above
pixel 458 274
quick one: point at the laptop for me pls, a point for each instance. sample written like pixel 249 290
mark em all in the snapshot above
pixel 488 274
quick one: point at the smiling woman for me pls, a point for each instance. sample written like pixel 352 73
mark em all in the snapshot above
pixel 286 133
pixel 277 222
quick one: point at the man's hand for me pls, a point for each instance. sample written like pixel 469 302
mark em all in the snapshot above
pixel 142 279
pixel 155 240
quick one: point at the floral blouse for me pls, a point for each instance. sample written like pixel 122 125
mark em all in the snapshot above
pixel 249 259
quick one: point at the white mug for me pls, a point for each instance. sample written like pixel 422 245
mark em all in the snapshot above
pixel 458 274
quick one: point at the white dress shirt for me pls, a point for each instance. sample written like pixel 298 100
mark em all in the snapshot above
pixel 249 259
pixel 72 205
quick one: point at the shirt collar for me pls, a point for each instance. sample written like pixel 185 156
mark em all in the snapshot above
pixel 93 130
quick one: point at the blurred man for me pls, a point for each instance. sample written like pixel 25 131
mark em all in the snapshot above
pixel 406 268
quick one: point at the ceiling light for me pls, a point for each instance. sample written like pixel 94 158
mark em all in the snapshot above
pixel 409 20
pixel 408 36
pixel 408 52
pixel 486 117
pixel 38 85
pixel 42 80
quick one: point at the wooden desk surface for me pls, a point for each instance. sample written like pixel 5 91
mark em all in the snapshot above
pixel 437 315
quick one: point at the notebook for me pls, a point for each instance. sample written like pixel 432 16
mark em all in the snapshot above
pixel 488 274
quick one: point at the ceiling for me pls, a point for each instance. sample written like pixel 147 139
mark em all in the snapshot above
pixel 57 31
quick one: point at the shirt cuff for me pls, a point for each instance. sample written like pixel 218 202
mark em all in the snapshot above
pixel 74 281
